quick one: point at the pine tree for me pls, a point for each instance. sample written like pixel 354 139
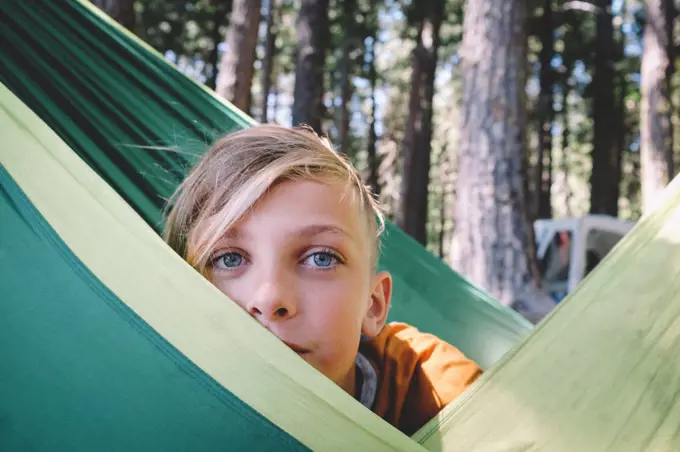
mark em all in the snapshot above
pixel 490 241
pixel 412 214
pixel 655 113
pixel 605 175
pixel 312 43
pixel 235 78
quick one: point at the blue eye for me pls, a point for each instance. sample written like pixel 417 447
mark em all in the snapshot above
pixel 322 259
pixel 228 260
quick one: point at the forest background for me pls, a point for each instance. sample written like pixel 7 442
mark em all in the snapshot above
pixel 469 119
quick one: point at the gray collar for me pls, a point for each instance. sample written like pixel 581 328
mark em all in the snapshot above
pixel 369 381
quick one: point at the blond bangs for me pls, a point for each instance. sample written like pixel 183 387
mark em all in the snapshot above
pixel 240 169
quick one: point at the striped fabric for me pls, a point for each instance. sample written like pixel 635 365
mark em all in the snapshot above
pixel 139 123
pixel 110 341
pixel 116 342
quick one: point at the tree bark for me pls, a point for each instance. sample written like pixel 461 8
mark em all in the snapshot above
pixel 235 77
pixel 490 245
pixel 371 150
pixel 412 214
pixel 672 51
pixel 269 53
pixel 566 147
pixel 222 9
pixel 620 137
pixel 122 11
pixel 444 174
pixel 275 107
pixel 312 43
pixel 545 114
pixel 604 178
pixel 656 150
pixel 349 21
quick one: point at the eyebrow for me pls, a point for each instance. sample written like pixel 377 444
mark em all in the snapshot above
pixel 307 231
pixel 232 234
pixel 316 229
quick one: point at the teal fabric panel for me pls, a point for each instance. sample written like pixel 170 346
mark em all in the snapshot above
pixel 140 124
pixel 81 372
pixel 434 298
pixel 135 120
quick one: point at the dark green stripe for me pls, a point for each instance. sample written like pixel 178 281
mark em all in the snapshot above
pixel 80 371
pixel 101 92
pixel 105 98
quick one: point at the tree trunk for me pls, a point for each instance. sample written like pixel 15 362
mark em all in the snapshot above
pixel 671 16
pixel 634 188
pixel 620 138
pixel 545 114
pixel 236 69
pixel 122 11
pixel 490 245
pixel 371 151
pixel 604 178
pixel 312 42
pixel 412 214
pixel 444 174
pixel 569 51
pixel 222 9
pixel 275 107
pixel 656 151
pixel 566 148
pixel 269 53
pixel 349 21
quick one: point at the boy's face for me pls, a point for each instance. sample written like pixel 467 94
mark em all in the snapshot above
pixel 300 263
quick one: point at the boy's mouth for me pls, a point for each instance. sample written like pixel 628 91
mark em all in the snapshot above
pixel 296 348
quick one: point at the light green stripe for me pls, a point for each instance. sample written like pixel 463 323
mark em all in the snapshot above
pixel 602 372
pixel 132 261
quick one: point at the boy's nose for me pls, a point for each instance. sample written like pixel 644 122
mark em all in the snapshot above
pixel 272 301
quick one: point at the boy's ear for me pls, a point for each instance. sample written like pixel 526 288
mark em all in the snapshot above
pixel 379 304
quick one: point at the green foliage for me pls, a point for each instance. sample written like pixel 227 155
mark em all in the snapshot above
pixel 188 31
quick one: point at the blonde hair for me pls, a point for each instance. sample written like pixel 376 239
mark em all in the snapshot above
pixel 238 169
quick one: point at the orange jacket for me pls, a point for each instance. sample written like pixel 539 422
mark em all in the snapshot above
pixel 418 375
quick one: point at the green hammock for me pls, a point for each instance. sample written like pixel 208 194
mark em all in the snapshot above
pixel 119 106
pixel 108 340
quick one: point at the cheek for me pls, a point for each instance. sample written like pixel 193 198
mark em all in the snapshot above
pixel 336 305
pixel 332 319
pixel 233 288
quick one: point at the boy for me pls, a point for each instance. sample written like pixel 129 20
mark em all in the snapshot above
pixel 283 225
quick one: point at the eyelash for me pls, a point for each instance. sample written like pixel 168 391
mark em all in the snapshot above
pixel 339 260
pixel 334 255
pixel 215 260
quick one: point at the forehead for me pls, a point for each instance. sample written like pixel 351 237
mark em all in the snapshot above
pixel 301 204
